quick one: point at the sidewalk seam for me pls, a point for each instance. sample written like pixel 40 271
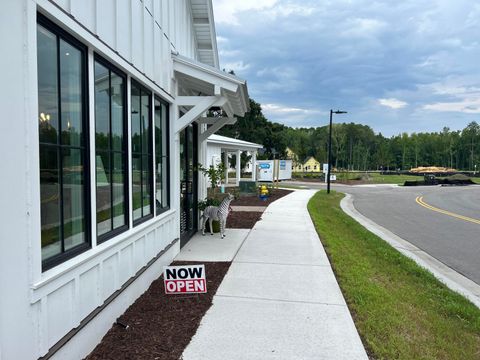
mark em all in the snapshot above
pixel 281 264
pixel 280 300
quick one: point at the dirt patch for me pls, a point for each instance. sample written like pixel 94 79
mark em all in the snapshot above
pixel 160 326
pixel 254 200
pixel 243 219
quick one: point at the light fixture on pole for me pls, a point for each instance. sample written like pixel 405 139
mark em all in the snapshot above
pixel 330 147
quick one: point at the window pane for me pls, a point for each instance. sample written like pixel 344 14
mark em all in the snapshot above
pixel 47 86
pixel 102 107
pixel 117 111
pixel 136 134
pixel 145 123
pixel 158 154
pixel 165 183
pixel 73 195
pixel 146 184
pixel 137 186
pixel 50 202
pixel 104 199
pixel 71 92
pixel 119 209
pixel 164 128
pixel 165 179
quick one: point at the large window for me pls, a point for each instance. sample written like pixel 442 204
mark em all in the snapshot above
pixel 162 193
pixel 111 150
pixel 142 153
pixel 63 144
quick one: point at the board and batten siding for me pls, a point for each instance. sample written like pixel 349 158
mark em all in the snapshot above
pixel 42 307
pixel 144 33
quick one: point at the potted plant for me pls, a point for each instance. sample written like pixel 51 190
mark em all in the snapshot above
pixel 215 174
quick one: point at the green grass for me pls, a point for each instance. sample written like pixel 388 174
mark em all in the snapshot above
pixel 401 311
pixel 377 178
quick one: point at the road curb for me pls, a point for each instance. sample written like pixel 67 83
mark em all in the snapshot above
pixel 454 280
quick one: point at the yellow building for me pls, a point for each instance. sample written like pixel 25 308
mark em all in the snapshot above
pixel 312 165
pixel 309 165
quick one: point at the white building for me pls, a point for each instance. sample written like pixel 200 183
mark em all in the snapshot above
pixel 103 105
pixel 220 147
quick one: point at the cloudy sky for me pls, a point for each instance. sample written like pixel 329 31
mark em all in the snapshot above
pixel 410 65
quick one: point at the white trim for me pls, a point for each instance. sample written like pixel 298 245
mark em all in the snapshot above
pixel 93 158
pixel 217 125
pixel 202 106
pixel 213 120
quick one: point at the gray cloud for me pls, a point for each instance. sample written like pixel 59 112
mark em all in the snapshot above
pixel 351 54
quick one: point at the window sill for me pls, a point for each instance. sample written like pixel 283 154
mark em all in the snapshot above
pixel 55 276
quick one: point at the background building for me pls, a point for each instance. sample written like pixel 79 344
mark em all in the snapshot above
pixel 104 123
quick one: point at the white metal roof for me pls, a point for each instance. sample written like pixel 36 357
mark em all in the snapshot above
pixel 202 79
pixel 204 29
pixel 232 144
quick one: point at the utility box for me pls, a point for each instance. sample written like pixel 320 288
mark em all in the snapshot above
pixel 271 170
pixel 248 187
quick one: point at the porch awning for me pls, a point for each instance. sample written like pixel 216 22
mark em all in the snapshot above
pixel 201 87
pixel 232 144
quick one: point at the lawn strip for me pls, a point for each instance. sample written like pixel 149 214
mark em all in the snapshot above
pixel 401 310
pixel 160 326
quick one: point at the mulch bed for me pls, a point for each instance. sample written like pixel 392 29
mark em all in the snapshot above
pixel 254 200
pixel 243 219
pixel 160 326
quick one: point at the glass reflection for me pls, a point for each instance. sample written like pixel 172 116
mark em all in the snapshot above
pixel 73 206
pixel 118 191
pixel 62 193
pixel 102 107
pixel 111 151
pixel 50 202
pixel 104 211
pixel 71 94
pixel 141 153
pixel 117 111
pixel 47 86
pixel 137 186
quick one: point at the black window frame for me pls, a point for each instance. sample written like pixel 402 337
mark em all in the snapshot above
pixel 166 137
pixel 87 244
pixel 149 154
pixel 114 232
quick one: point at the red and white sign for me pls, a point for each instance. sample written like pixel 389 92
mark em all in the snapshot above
pixel 188 279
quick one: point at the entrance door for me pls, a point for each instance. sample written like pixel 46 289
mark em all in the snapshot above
pixel 188 183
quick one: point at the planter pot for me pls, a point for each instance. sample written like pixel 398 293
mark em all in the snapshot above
pixel 215 224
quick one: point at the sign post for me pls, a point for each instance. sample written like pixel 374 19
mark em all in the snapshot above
pixel 185 279
pixel 325 171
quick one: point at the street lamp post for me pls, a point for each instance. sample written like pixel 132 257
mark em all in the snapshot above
pixel 330 147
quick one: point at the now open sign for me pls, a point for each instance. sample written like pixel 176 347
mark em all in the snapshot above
pixel 187 279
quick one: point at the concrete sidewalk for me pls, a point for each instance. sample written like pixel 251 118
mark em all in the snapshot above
pixel 279 299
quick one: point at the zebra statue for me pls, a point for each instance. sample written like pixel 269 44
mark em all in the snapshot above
pixel 218 213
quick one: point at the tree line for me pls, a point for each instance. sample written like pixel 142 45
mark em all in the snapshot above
pixel 358 147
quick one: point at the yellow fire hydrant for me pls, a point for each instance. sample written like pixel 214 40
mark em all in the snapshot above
pixel 263 192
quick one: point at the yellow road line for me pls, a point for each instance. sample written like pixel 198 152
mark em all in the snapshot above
pixel 420 201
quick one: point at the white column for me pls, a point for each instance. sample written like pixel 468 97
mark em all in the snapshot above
pixel 254 166
pixel 239 170
pixel 225 161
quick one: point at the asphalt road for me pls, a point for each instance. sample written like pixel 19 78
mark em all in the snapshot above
pixel 447 226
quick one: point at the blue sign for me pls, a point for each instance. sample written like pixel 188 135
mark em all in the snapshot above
pixel 264 166
pixel 283 164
